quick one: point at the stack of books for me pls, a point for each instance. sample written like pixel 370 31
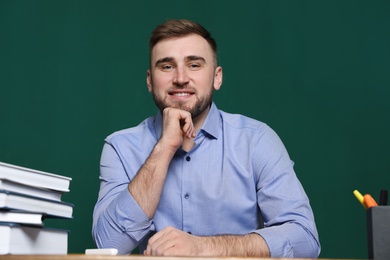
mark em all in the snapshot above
pixel 27 197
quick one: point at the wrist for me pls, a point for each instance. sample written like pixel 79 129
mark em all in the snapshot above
pixel 164 151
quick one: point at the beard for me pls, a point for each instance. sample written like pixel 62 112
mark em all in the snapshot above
pixel 198 108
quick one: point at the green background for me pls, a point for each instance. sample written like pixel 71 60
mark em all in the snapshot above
pixel 72 72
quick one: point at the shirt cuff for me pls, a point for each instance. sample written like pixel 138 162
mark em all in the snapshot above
pixel 277 241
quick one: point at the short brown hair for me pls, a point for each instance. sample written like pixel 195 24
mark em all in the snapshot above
pixel 180 28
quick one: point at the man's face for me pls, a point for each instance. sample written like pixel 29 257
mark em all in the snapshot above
pixel 183 75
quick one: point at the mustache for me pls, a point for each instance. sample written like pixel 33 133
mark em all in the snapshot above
pixel 181 87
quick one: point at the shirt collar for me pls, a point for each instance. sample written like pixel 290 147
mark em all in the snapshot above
pixel 213 122
pixel 210 126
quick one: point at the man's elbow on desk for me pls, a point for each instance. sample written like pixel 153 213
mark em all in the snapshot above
pixel 291 240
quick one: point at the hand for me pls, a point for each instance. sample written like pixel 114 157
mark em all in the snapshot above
pixel 172 242
pixel 177 125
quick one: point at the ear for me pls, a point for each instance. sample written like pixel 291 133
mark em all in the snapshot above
pixel 218 78
pixel 149 80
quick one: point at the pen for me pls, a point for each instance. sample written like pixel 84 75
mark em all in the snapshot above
pixel 369 201
pixel 360 197
pixel 383 198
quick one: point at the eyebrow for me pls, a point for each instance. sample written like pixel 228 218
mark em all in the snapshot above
pixel 163 60
pixel 188 58
pixel 194 57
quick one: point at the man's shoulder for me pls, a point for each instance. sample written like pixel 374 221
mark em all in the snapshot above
pixel 247 128
pixel 144 128
pixel 240 121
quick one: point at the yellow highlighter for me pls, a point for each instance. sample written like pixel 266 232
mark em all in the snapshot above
pixel 360 197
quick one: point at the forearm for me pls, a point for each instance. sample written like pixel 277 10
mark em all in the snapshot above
pixel 249 245
pixel 147 185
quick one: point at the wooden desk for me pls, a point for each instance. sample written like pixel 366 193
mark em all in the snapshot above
pixel 132 257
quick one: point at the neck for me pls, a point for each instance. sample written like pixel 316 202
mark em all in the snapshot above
pixel 199 120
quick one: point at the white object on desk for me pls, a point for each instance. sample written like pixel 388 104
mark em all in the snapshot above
pixel 101 251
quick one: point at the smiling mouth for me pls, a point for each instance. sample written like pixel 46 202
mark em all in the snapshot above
pixel 181 94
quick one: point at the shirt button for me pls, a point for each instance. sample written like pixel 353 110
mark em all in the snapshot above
pixel 187 196
pixel 188 158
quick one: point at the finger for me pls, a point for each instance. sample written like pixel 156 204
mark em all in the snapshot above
pixel 188 127
pixel 188 132
pixel 155 241
pixel 164 248
pixel 159 247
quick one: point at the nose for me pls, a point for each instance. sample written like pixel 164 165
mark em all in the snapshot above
pixel 180 78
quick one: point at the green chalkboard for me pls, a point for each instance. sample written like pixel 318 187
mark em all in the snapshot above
pixel 72 72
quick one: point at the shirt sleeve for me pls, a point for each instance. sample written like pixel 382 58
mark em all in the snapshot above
pixel 118 221
pixel 290 229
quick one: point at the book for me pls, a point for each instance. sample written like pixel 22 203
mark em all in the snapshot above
pixel 34 178
pixel 21 240
pixel 21 217
pixel 28 190
pixel 19 201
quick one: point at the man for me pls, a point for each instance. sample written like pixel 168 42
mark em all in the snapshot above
pixel 194 180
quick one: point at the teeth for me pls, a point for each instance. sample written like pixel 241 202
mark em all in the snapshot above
pixel 181 94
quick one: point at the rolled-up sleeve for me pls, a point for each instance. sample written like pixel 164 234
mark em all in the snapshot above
pixel 290 229
pixel 118 221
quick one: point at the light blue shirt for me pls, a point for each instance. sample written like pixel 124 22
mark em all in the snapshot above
pixel 238 171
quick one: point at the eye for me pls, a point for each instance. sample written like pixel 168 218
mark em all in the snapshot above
pixel 166 67
pixel 194 66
